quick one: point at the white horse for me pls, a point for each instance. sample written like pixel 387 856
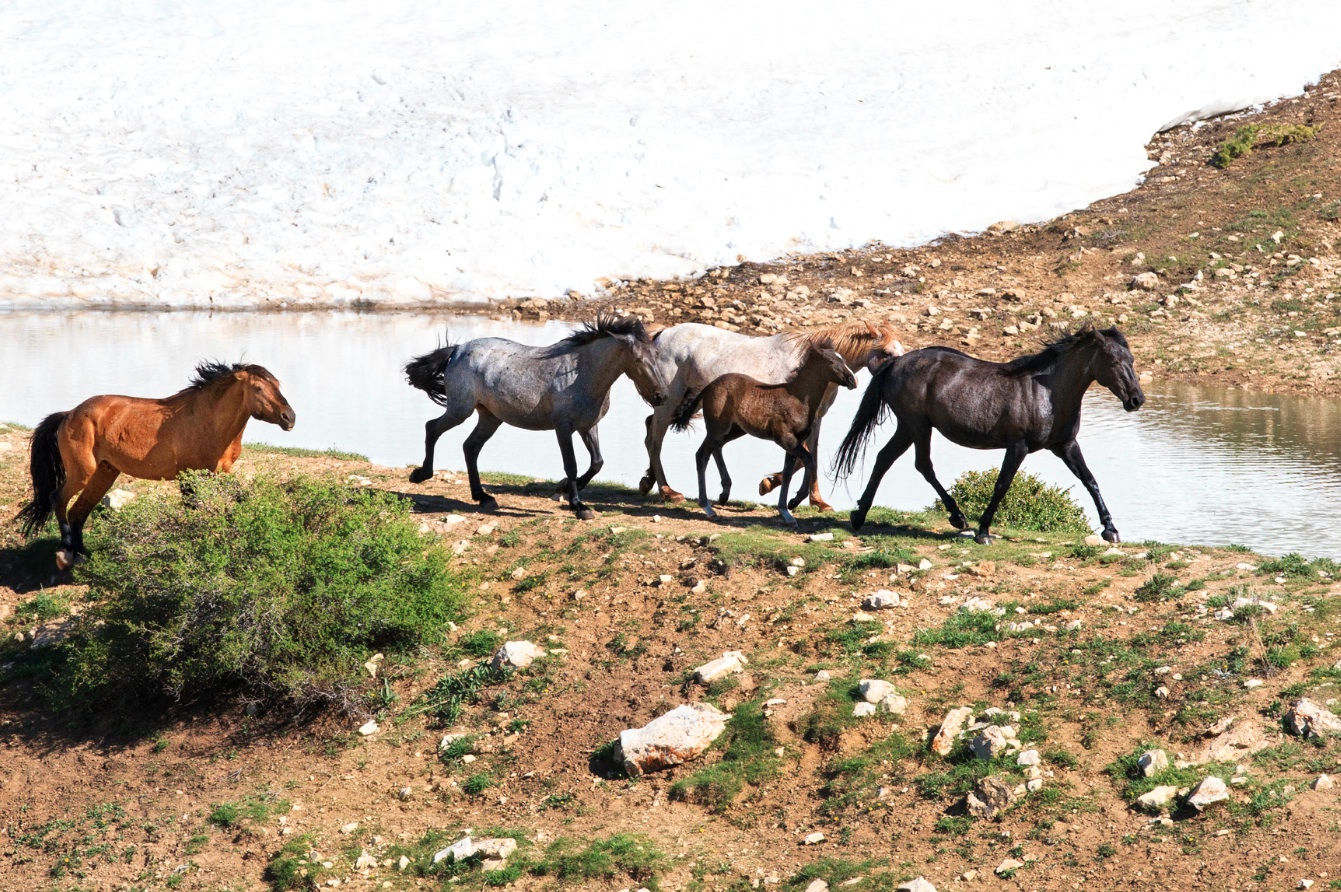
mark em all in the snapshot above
pixel 564 387
pixel 691 356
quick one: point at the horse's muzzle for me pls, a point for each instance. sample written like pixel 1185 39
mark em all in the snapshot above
pixel 657 399
pixel 287 420
pixel 1132 403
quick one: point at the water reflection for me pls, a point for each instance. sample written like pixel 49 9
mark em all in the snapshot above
pixel 1196 464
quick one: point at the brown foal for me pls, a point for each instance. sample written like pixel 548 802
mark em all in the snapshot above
pixel 735 405
pixel 199 428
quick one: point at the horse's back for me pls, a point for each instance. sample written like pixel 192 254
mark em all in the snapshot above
pixel 971 401
pixel 133 434
pixel 704 353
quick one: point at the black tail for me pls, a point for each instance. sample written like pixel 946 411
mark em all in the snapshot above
pixel 869 415
pixel 48 473
pixel 425 372
pixel 684 413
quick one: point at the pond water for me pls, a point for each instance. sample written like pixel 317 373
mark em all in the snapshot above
pixel 1196 465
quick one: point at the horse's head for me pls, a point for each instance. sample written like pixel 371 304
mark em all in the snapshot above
pixel 645 369
pixel 866 345
pixel 265 402
pixel 1113 368
pixel 822 356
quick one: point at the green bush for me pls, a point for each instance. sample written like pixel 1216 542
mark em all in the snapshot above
pixel 1250 136
pixel 1030 504
pixel 278 590
pixel 627 854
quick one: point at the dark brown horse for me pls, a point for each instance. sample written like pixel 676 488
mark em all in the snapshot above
pixel 735 405
pixel 1022 406
pixel 200 428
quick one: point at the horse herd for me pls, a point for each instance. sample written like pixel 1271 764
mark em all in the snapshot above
pixel 777 388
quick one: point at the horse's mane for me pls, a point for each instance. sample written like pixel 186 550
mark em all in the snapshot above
pixel 850 337
pixel 1056 348
pixel 604 327
pixel 211 371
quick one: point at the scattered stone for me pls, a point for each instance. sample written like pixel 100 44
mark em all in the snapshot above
pixel 822 675
pixel 1234 739
pixel 369 728
pixel 1210 791
pixel 1028 758
pixel 1096 541
pixel 1323 782
pixel 992 741
pixel 1308 719
pixel 991 796
pixel 817 886
pixel 813 839
pixel 1305 884
pixel 951 726
pixel 881 600
pixel 1152 762
pixel 1007 866
pixel 675 737
pixel 821 537
pixel 349 828
pixel 1157 798
pixel 977 605
pixel 873 690
pixel 863 709
pixel 118 499
pixel 921 884
pixel 458 851
pixel 1145 282
pixel 499 848
pixel 402 863
pixel 517 655
pixel 365 861
pixel 729 663
pixel 924 564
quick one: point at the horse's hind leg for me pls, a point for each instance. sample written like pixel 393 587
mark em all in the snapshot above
pixel 433 429
pixel 808 480
pixel 79 468
pixel 1070 455
pixel 1015 454
pixel 592 441
pixel 701 465
pixel 732 434
pixel 94 490
pixel 922 448
pixel 570 469
pixel 484 429
pixel 897 445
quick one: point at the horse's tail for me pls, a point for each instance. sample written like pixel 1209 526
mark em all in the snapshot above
pixel 684 413
pixel 870 413
pixel 426 372
pixel 48 473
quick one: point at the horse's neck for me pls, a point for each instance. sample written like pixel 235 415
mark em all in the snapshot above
pixel 224 410
pixel 809 386
pixel 601 363
pixel 1071 376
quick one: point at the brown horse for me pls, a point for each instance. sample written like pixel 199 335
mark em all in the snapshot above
pixel 735 405
pixel 200 428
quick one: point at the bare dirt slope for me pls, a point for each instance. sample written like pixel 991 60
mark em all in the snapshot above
pixel 1094 654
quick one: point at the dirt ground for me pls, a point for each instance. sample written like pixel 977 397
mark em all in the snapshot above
pixel 1103 653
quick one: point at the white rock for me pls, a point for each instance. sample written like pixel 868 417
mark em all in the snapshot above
pixel 1007 866
pixel 881 600
pixel 873 690
pixel 1210 791
pixel 1145 281
pixel 729 663
pixel 822 675
pixel 817 886
pixel 499 848
pixel 977 605
pixel 1158 797
pixel 448 740
pixel 369 728
pixel 118 499
pixel 951 725
pixel 924 564
pixel 402 863
pixel 675 737
pixel 1034 784
pixel 894 704
pixel 1152 762
pixel 813 839
pixel 921 884
pixel 1028 758
pixel 1308 719
pixel 365 861
pixel 863 709
pixel 458 851
pixel 349 828
pixel 991 742
pixel 989 797
pixel 404 793
pixel 821 537
pixel 517 655
pixel 1323 782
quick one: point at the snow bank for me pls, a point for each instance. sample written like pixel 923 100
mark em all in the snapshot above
pixel 178 152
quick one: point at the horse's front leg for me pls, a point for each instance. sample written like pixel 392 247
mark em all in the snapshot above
pixel 897 445
pixel 230 456
pixel 808 479
pixel 1015 454
pixel 657 425
pixel 484 429
pixel 77 476
pixel 565 437
pixel 1070 455
pixel 591 440
pixel 795 455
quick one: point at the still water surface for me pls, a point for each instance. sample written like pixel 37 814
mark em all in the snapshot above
pixel 1196 464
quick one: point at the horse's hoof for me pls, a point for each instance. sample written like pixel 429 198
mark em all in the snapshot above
pixel 64 559
pixel 707 511
pixel 585 513
pixel 671 495
pixel 419 475
pixel 983 539
pixel 768 484
pixel 1111 535
pixel 723 499
pixel 790 521
pixel 820 505
pixel 857 518
pixel 488 503
pixel 959 522
pixel 645 485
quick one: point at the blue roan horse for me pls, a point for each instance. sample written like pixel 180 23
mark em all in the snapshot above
pixel 1022 406
pixel 563 387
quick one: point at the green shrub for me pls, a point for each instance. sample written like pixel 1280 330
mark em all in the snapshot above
pixel 277 590
pixel 1030 504
pixel 629 854
pixel 750 757
pixel 1250 136
pixel 291 868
